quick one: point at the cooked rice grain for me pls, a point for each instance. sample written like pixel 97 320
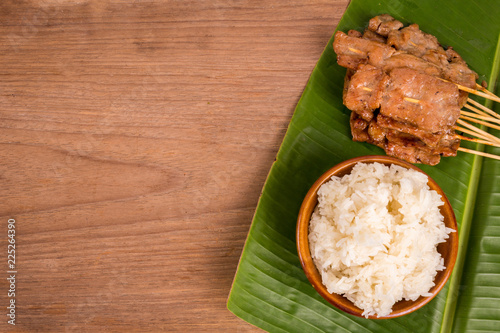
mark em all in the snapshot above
pixel 374 234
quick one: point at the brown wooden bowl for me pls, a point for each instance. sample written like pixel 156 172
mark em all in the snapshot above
pixel 448 249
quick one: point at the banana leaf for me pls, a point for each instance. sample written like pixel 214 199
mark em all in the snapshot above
pixel 270 289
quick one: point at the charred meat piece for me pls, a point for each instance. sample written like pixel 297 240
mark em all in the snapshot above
pixel 465 77
pixel 353 51
pixel 347 79
pixel 377 134
pixel 384 24
pixel 461 74
pixel 444 144
pixel 370 35
pixel 364 92
pixel 421 100
pixel 447 147
pixel 430 139
pixel 454 57
pixel 359 128
pixel 354 33
pixel 437 57
pixel 414 41
pixel 410 149
pixel 449 144
pixel 401 59
pixel 364 131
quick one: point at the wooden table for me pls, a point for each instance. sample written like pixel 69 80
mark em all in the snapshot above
pixel 136 138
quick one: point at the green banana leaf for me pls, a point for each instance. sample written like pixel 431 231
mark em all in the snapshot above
pixel 270 289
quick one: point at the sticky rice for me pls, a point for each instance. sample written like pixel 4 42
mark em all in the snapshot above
pixel 374 234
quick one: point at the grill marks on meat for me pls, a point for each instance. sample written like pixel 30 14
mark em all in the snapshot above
pixel 394 89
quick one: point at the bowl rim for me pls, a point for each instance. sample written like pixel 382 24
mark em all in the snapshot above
pixel 302 232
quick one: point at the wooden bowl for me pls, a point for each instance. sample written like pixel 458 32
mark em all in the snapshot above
pixel 448 249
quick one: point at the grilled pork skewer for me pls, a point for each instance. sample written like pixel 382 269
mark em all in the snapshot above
pixel 405 92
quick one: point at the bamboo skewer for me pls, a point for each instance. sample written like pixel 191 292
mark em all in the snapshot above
pixel 480 153
pixel 484 142
pixel 483 89
pixel 479 93
pixel 482 136
pixel 477 121
pixel 476 110
pixel 488 95
pixel 482 107
pixel 480 116
pixel 479 131
pixel 465 130
pixel 482 113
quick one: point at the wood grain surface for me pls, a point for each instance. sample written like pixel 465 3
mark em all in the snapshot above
pixel 135 140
